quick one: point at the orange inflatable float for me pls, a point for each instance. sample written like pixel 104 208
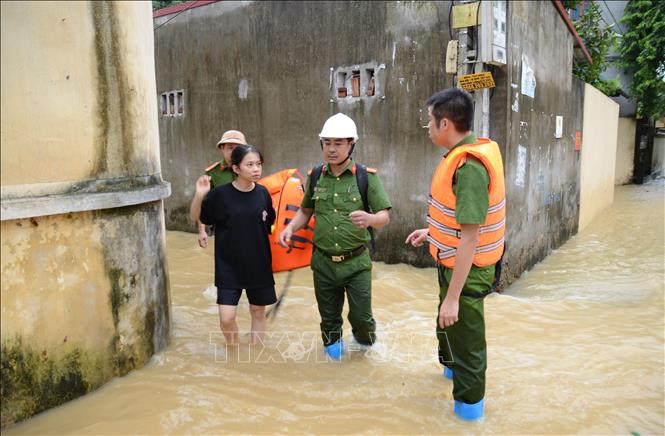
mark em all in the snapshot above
pixel 286 190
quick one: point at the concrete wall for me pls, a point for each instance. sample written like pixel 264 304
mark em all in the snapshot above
pixel 84 294
pixel 266 69
pixel 625 156
pixel 658 163
pixel 542 171
pixel 88 99
pixel 599 151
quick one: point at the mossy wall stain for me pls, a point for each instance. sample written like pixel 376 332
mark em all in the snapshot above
pixel 138 295
pixel 116 295
pixel 101 36
pixel 33 381
pixel 127 355
pixel 178 218
pixel 84 298
pixel 121 93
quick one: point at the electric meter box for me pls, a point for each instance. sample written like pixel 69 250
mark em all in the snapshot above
pixel 493 32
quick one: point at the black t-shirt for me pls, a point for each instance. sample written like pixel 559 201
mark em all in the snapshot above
pixel 242 223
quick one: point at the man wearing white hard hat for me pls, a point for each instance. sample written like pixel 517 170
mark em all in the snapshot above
pixel 348 200
pixel 220 172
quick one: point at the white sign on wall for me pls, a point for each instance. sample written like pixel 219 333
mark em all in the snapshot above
pixel 528 78
pixel 558 132
pixel 521 166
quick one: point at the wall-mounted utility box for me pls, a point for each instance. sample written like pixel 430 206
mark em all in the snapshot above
pixel 465 15
pixel 493 32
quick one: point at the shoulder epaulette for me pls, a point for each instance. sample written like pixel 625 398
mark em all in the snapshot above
pixel 309 172
pixel 372 170
pixel 214 165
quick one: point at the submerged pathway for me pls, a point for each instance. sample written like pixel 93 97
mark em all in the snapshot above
pixel 575 346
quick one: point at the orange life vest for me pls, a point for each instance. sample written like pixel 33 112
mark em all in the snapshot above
pixel 286 189
pixel 444 231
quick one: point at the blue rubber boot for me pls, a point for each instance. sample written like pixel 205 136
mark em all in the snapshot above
pixel 447 373
pixel 470 412
pixel 335 350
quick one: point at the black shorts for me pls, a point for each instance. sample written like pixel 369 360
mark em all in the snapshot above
pixel 257 297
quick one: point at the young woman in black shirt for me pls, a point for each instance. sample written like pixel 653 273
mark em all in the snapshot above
pixel 242 214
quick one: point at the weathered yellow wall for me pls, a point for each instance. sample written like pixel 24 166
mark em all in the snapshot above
pixel 623 172
pixel 48 96
pixel 658 164
pixel 599 146
pixel 84 295
pixel 53 273
pixel 77 80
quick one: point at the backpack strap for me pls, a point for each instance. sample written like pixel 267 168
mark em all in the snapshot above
pixel 361 180
pixel 363 186
pixel 314 175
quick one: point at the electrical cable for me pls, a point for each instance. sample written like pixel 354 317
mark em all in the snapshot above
pixel 476 32
pixel 615 20
pixel 450 26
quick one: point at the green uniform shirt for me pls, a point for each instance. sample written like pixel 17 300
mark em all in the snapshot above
pixel 471 188
pixel 333 199
pixel 220 176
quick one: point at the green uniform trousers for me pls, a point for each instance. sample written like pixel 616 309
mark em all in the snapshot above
pixel 462 346
pixel 331 281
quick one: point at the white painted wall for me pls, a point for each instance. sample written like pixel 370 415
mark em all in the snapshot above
pixel 658 163
pixel 623 170
pixel 599 151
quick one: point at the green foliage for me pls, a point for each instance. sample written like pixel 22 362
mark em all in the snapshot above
pixel 598 41
pixel 643 49
pixel 570 4
pixel 611 88
pixel 158 4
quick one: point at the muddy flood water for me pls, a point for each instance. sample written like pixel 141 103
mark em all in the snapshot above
pixel 576 345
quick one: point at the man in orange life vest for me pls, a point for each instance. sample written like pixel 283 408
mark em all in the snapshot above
pixel 466 220
pixel 220 172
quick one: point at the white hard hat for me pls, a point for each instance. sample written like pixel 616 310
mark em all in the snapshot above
pixel 339 126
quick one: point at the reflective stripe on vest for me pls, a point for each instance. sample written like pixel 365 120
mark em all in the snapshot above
pixel 456 232
pixel 444 231
pixel 446 252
